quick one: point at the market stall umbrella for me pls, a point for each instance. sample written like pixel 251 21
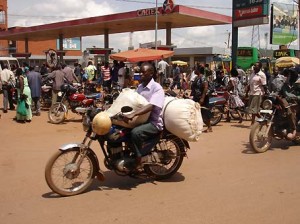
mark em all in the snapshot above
pixel 141 54
pixel 178 62
pixel 285 62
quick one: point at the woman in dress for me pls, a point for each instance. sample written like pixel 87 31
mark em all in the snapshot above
pixel 199 94
pixel 234 100
pixel 24 90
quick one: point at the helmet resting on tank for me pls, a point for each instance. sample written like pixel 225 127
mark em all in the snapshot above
pixel 101 123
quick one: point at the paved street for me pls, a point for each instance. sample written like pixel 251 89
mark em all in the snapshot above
pixel 221 181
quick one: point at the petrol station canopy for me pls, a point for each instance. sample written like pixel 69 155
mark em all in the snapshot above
pixel 138 20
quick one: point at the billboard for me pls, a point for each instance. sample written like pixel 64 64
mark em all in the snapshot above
pixel 70 44
pixel 284 23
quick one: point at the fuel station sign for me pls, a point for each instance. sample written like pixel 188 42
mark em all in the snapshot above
pixel 250 12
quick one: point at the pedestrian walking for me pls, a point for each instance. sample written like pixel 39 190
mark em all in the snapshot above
pixel 58 80
pixel 24 112
pixel 35 83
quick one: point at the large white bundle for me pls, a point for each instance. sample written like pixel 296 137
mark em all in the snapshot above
pixel 129 97
pixel 182 117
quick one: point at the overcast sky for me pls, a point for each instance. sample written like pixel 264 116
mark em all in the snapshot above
pixel 36 12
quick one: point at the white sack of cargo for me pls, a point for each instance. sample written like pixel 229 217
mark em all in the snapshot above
pixel 129 97
pixel 182 117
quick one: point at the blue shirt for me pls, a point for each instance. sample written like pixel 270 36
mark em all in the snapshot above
pixel 155 95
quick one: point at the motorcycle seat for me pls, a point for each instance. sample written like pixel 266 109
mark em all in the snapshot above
pixel 93 96
pixel 45 88
pixel 217 100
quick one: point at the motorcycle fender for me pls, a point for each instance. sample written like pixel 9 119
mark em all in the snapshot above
pixel 261 120
pixel 186 143
pixel 266 111
pixel 70 146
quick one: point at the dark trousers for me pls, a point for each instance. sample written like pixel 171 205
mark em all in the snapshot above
pixel 107 84
pixel 36 104
pixel 140 134
pixel 7 97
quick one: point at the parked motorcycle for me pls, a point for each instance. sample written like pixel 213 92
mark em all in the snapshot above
pixel 71 169
pixel 274 124
pixel 217 106
pixel 46 92
pixel 71 98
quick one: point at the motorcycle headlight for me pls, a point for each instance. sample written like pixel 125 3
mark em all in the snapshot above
pixel 59 93
pixel 86 123
pixel 267 104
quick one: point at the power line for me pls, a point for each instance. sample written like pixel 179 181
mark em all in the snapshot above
pixel 129 1
pixel 194 6
pixel 61 17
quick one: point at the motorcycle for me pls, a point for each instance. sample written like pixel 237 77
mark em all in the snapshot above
pixel 71 169
pixel 46 92
pixel 217 105
pixel 76 101
pixel 273 124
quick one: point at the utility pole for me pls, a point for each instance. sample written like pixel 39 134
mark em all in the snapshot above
pixel 234 40
pixel 156 27
pixel 228 41
pixel 266 44
pixel 298 27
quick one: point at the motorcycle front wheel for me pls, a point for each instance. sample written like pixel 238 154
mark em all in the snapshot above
pixel 57 113
pixel 172 152
pixel 65 177
pixel 259 141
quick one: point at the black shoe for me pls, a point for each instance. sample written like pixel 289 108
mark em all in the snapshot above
pixel 12 108
pixel 28 121
pixel 4 111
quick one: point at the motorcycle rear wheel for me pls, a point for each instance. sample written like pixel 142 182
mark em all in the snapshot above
pixel 257 140
pixel 56 113
pixel 217 116
pixel 173 151
pixel 63 175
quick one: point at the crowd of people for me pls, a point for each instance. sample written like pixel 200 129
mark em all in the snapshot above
pixel 197 84
pixel 242 90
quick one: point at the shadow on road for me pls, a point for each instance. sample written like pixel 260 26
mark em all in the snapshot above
pixel 113 181
pixel 276 144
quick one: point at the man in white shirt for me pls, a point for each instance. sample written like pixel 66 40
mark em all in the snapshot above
pixel 162 71
pixel 258 88
pixel 7 78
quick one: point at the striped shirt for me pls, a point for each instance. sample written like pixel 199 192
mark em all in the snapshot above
pixel 105 73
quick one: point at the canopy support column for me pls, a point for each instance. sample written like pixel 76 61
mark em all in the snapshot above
pixel 168 43
pixel 61 48
pixel 168 34
pixel 106 43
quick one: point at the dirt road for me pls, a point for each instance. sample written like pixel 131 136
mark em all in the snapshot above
pixel 221 181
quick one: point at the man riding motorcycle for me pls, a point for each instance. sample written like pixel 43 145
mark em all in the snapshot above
pixel 289 94
pixel 155 95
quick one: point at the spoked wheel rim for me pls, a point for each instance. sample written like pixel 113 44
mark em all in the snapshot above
pixel 259 141
pixel 170 161
pixel 56 113
pixel 65 177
